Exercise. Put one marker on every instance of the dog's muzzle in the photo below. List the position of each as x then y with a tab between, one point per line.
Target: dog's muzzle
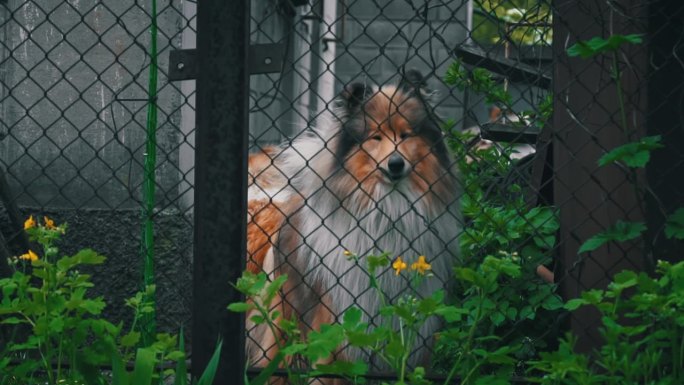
396	167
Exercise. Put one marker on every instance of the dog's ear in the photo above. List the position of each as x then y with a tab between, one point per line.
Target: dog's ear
353	95
413	80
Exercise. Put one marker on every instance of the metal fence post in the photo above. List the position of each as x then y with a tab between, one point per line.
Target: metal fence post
221	184
665	118
593	198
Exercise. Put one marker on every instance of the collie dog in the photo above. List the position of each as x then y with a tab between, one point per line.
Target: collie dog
376	177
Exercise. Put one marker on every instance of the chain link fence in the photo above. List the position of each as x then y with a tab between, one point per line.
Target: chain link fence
73	105
492	154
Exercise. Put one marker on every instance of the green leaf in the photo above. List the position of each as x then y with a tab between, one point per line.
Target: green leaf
257	319
593	296
497	318
293	349
465	274
56	325
376	262
362	338
13	321
674	226
351	318
83	257
552	302
394	349
93	306
635	154
456	75
451	313
209	372
130	340
597	45
624	279
240	307
181	375
251	284
620	232
322	343
527	312
575	303
143	367
90	257
344	368
175	356
273	288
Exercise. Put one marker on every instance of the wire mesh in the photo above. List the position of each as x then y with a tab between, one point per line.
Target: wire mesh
532	180
74	96
346	48
526	187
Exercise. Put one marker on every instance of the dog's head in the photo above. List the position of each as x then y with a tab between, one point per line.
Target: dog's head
389	134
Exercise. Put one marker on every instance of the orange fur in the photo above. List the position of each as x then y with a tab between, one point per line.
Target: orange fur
264	216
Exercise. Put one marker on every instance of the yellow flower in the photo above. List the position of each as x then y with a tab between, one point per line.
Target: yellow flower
399	265
347	253
49	223
29	223
421	266
31	256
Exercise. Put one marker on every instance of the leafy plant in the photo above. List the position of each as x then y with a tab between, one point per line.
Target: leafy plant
597	45
620	232
635	154
60	335
46	297
641	316
507	309
391	342
642	328
521	22
674	226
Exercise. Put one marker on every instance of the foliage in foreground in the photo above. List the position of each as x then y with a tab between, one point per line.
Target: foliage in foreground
56	330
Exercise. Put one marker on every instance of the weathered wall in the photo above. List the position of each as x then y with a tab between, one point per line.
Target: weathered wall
381	36
73	97
74	111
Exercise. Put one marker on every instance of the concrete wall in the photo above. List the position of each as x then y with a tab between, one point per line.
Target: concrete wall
75	105
378	37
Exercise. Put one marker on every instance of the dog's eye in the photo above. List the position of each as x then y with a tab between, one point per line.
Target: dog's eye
377	137
405	135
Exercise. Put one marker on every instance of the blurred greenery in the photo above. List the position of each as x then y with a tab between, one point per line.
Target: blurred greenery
528	22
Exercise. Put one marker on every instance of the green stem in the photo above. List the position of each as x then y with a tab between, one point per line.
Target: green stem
148	322
402	373
48	340
264	312
59	355
469	341
618	83
470	373
617	76
679	355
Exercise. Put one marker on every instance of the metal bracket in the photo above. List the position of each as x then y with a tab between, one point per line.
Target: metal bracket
183	64
266	58
263	59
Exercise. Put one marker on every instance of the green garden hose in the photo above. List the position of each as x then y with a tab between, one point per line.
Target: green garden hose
147	320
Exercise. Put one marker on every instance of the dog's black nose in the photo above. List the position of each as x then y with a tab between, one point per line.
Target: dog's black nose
396	166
